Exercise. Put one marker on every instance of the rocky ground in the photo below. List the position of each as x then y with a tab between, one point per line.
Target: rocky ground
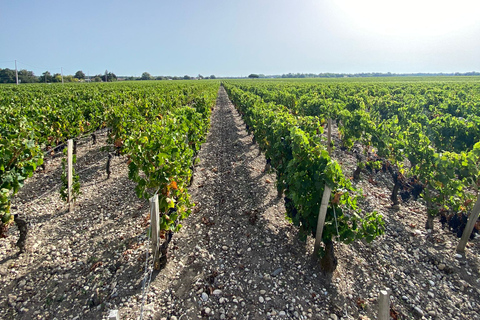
236	256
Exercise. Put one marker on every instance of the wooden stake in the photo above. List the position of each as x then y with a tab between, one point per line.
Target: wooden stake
155	228
384	305
70	173
472	219
329	136
321	217
325	198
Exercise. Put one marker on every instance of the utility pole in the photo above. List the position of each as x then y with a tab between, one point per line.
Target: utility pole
106	71
16	71
61	68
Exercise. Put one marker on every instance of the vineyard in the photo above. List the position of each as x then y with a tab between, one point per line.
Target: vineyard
242	176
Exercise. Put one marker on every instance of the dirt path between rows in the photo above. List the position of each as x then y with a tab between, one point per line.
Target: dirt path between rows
237	257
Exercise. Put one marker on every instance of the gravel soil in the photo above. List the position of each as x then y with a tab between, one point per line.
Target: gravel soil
236	256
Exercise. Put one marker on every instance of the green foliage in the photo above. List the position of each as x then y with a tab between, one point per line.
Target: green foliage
146	76
161	140
19	157
170	121
303	167
434	125
80	75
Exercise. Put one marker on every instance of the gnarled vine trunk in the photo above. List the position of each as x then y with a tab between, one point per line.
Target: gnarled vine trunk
356	173
429	223
329	262
396	187
430	211
164	251
22	228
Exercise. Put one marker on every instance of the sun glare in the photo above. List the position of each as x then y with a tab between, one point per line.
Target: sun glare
410	17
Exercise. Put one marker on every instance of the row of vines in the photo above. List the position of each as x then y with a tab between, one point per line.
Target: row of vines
159	127
425	134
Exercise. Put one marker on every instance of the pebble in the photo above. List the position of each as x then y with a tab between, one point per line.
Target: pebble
333	316
261	300
217	292
441	266
277	272
418	311
204	296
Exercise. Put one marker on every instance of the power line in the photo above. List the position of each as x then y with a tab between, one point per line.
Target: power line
36	67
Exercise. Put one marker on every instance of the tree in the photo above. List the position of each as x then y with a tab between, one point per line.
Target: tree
70	78
213	77
46	77
111	77
79	75
185	77
254	76
57	77
7	76
97	78
146	76
25	76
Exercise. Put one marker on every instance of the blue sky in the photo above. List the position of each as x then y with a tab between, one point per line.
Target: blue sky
234	38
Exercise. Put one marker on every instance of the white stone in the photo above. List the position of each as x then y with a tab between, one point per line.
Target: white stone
113	315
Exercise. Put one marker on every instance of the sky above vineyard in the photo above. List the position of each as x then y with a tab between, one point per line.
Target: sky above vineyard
235	38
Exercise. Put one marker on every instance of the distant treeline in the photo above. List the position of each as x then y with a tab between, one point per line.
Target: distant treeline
372	74
148	76
25	76
358	75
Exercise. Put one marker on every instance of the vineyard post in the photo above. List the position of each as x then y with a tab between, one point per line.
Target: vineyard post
154	225
472	219
62	73
321	217
16	72
70	173
329	136
384	304
325	199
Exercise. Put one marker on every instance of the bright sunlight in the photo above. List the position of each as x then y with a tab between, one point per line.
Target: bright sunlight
410	17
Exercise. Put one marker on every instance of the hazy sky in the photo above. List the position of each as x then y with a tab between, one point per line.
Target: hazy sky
233	38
